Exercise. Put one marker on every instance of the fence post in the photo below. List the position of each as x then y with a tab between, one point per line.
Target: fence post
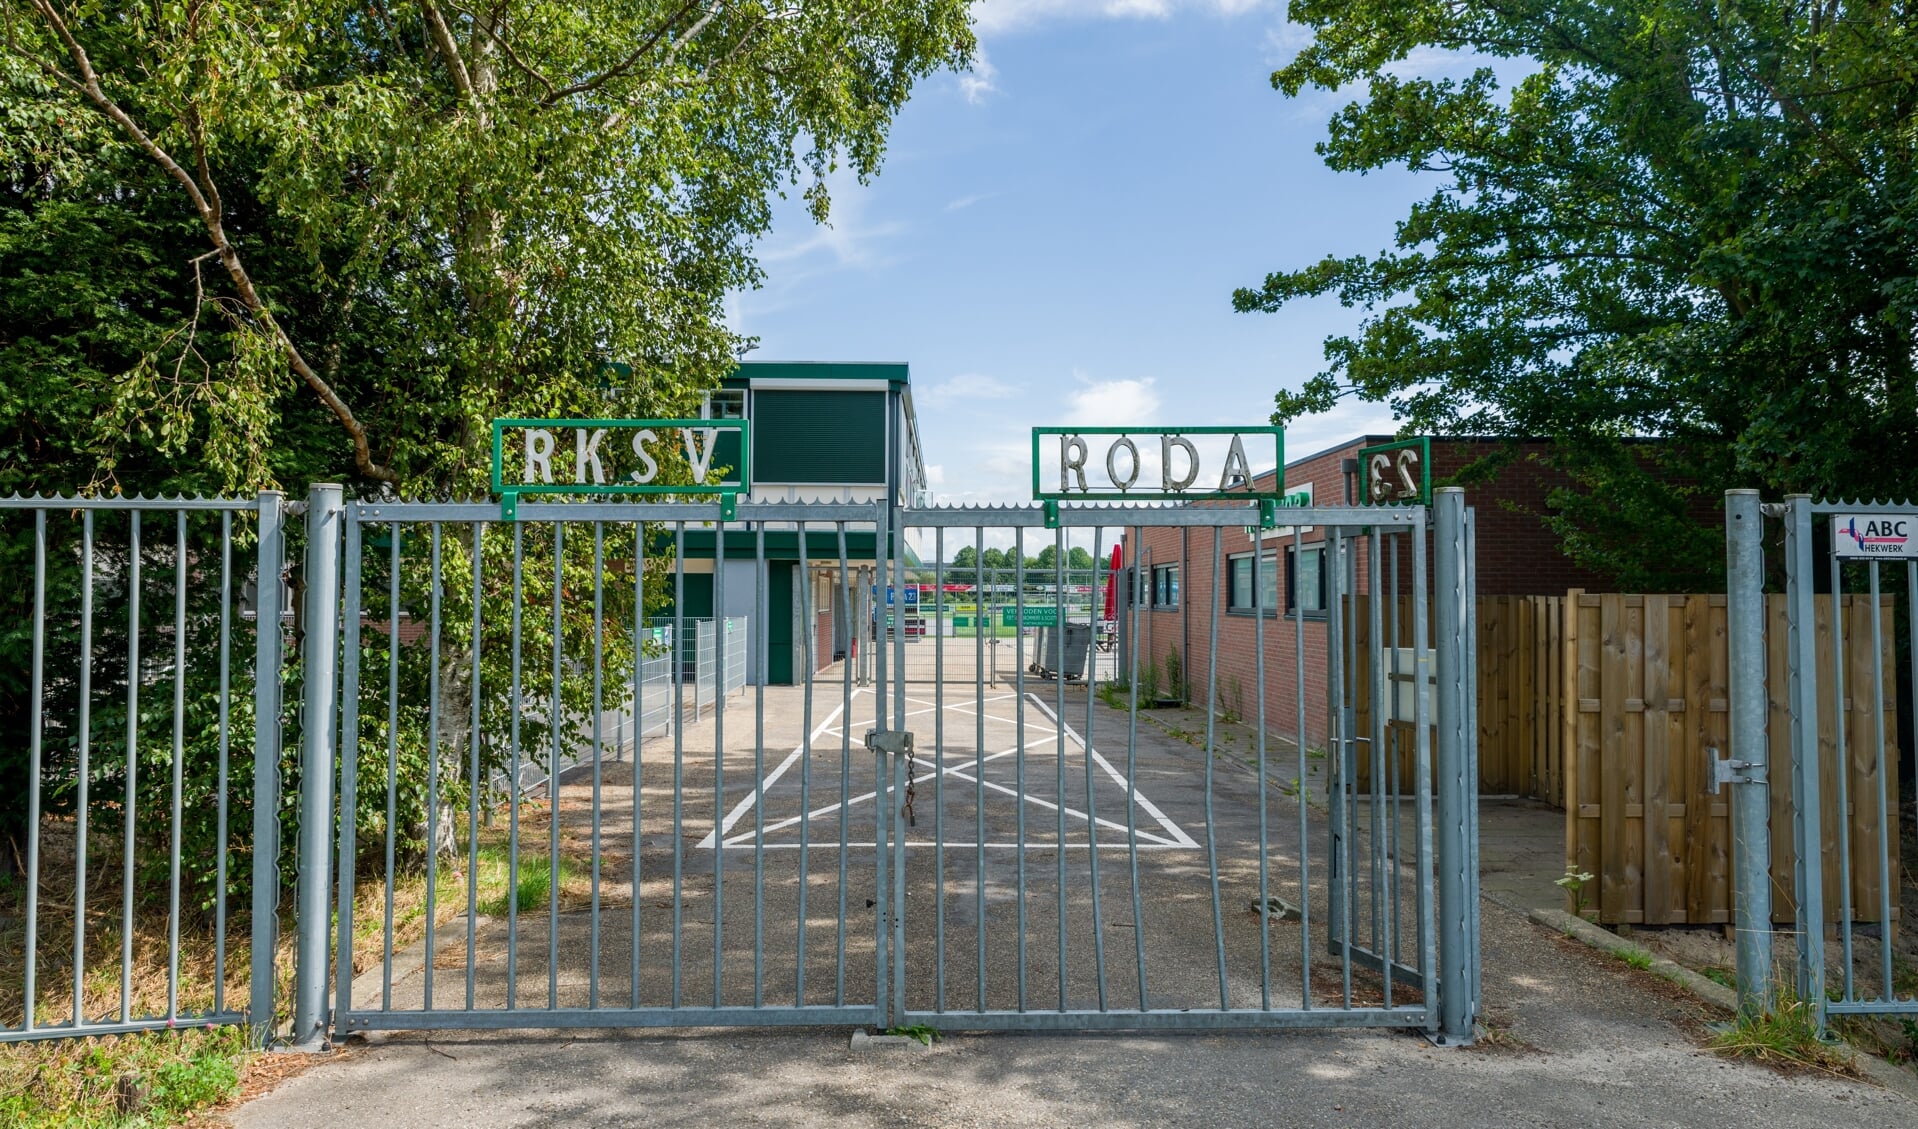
1751	792
325	508
268	655
1452	635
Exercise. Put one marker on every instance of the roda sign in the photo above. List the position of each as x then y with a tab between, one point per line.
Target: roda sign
1072	464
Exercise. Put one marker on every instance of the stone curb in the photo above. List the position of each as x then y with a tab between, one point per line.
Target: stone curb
862	1041
1892	1077
1605	940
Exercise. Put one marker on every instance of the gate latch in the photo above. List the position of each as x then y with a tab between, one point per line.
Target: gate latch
1728	771
898	742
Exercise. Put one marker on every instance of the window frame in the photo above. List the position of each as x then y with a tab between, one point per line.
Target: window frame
729	395
1292	556
1233	606
1165	596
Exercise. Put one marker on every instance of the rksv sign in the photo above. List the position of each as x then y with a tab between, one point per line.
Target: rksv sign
619	456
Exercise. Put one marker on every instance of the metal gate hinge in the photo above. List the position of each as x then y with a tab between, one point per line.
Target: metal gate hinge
895	741
1728	771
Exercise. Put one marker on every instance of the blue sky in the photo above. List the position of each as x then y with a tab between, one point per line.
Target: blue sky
1054	238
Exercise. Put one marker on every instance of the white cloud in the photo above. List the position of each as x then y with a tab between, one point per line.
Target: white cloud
964	388
963	202
1112	403
1008	15
978	82
849	237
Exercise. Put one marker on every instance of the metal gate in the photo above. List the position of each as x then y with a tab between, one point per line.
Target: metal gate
1842	618
954	842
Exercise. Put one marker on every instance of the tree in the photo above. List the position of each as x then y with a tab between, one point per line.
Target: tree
1693	223
1079	559
525	187
279	242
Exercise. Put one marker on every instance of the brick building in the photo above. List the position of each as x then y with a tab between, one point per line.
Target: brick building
1517	555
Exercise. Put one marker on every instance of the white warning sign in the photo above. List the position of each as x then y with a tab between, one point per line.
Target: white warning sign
1875	535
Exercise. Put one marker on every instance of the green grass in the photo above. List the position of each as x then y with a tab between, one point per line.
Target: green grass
917	1031
1636	958
1786	1036
145	1081
1717	975
535	880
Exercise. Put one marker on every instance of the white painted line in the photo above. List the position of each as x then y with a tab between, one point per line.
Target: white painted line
740	808
1075	813
746	836
1118	778
967	845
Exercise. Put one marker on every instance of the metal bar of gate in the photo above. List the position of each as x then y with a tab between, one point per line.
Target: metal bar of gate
1807	834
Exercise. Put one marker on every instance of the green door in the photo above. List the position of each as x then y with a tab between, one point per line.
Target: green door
779	622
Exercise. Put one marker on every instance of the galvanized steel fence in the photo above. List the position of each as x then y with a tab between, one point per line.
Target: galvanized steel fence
535	830
148	818
1842	685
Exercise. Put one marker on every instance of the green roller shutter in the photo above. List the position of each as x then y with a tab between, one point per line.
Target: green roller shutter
827	436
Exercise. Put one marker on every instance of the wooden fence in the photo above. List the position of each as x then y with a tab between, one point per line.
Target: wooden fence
1610	706
1645	683
1520	737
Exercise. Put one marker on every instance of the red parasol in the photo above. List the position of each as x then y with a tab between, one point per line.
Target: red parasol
1112	584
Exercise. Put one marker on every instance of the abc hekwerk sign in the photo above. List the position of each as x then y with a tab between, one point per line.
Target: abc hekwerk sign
1875	535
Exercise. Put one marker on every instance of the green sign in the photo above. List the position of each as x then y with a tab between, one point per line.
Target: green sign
621	456
1110	464
1038	615
1396	473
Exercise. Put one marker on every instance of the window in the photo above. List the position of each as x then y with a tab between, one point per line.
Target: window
724	403
1305	581
1240	597
1165	586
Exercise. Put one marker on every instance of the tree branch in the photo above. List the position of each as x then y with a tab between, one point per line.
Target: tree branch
490	28
88	84
632	60
447	46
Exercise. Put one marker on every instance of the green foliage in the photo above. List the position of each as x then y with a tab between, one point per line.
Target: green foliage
1668	220
1574	883
1174	675
1637	959
442	215
149	1080
1786	1036
432	217
918	1032
1149	682
535	881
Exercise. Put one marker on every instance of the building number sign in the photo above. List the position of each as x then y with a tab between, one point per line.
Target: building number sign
1396	473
